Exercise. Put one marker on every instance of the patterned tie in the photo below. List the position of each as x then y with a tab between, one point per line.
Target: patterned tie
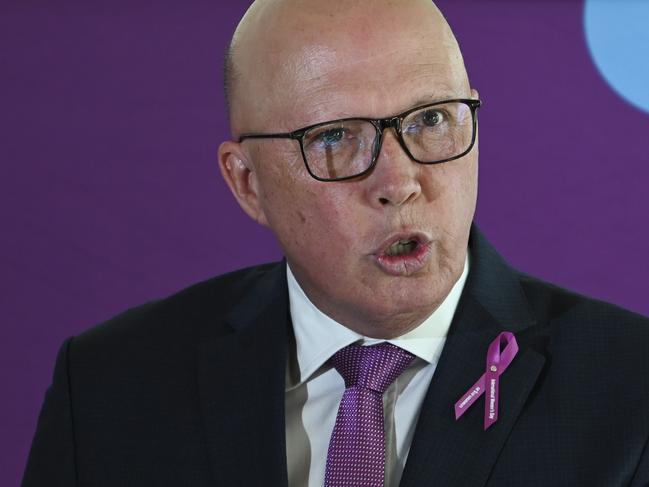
356	456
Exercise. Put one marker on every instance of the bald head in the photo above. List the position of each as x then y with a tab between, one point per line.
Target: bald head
283	51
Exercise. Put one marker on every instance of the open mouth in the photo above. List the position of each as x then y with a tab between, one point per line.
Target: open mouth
405	254
402	247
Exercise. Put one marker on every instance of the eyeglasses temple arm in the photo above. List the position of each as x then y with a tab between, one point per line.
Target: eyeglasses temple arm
291	135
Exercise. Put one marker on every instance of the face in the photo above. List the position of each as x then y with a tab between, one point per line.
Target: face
338	237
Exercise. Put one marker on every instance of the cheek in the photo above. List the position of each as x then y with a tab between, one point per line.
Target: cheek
324	214
470	187
303	212
460	183
450	200
278	182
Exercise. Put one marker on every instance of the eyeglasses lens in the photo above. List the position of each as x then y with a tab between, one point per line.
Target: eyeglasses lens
345	149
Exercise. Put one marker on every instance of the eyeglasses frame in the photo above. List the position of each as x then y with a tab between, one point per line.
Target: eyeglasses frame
380	124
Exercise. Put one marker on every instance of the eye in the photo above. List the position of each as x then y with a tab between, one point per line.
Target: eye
339	136
430	118
427	119
331	136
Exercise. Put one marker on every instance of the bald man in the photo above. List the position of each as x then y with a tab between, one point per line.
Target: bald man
393	345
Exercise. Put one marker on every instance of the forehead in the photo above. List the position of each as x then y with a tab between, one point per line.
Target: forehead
353	82
349	67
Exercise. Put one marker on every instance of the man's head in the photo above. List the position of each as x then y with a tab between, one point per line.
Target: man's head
295	63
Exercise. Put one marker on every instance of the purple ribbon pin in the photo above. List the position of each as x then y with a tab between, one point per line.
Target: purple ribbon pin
497	363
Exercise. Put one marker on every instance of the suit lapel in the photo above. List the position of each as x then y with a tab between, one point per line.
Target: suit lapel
449	452
241	387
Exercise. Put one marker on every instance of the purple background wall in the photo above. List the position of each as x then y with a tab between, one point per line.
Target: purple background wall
111	113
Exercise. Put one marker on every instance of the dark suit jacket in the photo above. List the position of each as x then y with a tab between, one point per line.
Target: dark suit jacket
189	391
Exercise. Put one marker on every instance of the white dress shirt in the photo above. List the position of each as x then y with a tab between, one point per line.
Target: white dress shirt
314	389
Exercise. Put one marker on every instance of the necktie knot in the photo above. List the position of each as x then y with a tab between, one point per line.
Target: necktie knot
373	367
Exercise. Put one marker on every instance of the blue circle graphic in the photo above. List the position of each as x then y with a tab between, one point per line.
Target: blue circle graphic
617	34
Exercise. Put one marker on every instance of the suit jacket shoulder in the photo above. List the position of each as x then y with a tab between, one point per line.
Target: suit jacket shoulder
143	399
203	304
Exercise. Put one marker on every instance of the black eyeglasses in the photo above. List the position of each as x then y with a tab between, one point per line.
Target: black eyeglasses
349	147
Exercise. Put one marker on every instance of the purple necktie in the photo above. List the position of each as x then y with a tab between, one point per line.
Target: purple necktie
356	456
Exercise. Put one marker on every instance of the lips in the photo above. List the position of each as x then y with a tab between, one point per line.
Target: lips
403	254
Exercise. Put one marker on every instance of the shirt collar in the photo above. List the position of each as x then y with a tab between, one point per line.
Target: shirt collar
318	337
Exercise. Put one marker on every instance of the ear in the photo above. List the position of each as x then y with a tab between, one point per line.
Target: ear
241	178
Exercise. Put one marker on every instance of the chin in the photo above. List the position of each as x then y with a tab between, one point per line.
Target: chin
405	303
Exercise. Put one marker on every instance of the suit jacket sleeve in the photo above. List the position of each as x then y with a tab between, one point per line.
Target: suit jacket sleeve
51	459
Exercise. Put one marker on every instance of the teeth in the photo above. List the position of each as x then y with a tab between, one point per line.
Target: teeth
401	247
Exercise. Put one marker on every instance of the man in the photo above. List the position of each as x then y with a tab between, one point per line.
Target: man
355	142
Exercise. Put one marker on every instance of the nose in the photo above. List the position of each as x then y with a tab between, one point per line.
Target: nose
395	180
